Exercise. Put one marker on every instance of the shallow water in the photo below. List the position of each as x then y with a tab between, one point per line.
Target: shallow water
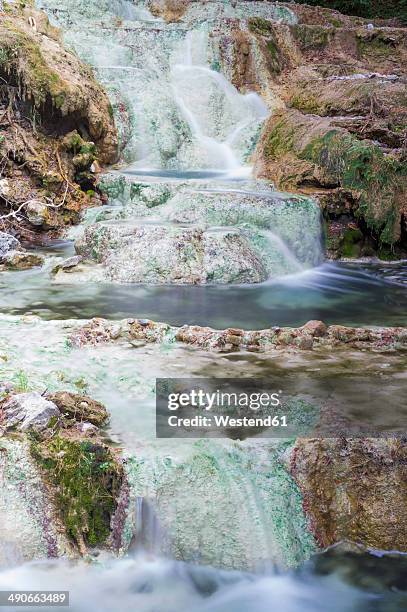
348	294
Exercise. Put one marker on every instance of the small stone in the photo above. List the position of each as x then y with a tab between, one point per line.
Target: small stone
37	213
95	168
402	337
232	339
29	411
285	339
83	160
315	328
344	334
7	243
71	262
4	188
235	331
304	342
88	429
115	332
6	388
68	264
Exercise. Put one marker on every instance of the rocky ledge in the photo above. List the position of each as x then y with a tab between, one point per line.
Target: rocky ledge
354	489
337	88
66	492
312	335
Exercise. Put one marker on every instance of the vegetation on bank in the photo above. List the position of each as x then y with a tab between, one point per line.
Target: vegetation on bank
383	9
343	131
56	124
333	158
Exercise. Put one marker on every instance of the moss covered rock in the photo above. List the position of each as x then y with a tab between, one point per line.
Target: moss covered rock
86	477
57	84
300	150
341	124
46	92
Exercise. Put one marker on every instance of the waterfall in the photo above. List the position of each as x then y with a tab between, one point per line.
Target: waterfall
203	95
148	535
277	242
175	110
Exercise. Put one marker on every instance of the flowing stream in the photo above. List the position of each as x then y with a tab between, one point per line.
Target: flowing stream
187	136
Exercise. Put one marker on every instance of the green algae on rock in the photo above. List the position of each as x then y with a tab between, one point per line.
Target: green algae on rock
28	522
312	335
339	132
196	503
328	157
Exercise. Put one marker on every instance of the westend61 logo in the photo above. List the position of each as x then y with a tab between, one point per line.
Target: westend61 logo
223	408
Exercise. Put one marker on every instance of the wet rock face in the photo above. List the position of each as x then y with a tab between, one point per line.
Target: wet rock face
65	470
170	10
28	524
180	232
7	244
354	489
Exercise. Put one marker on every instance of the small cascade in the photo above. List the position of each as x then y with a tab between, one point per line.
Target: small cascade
217	503
276	242
148	535
217	114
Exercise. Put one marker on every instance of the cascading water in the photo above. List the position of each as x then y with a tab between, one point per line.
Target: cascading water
217	114
179	115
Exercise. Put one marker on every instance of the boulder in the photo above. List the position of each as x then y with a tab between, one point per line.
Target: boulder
162	254
37	213
29	411
315	328
17	260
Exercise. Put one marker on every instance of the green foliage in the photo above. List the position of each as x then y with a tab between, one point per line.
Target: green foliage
385	9
351	242
20	382
261	26
313	36
24	62
87	482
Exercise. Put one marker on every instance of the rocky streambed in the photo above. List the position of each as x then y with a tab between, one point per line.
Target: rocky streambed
179	231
